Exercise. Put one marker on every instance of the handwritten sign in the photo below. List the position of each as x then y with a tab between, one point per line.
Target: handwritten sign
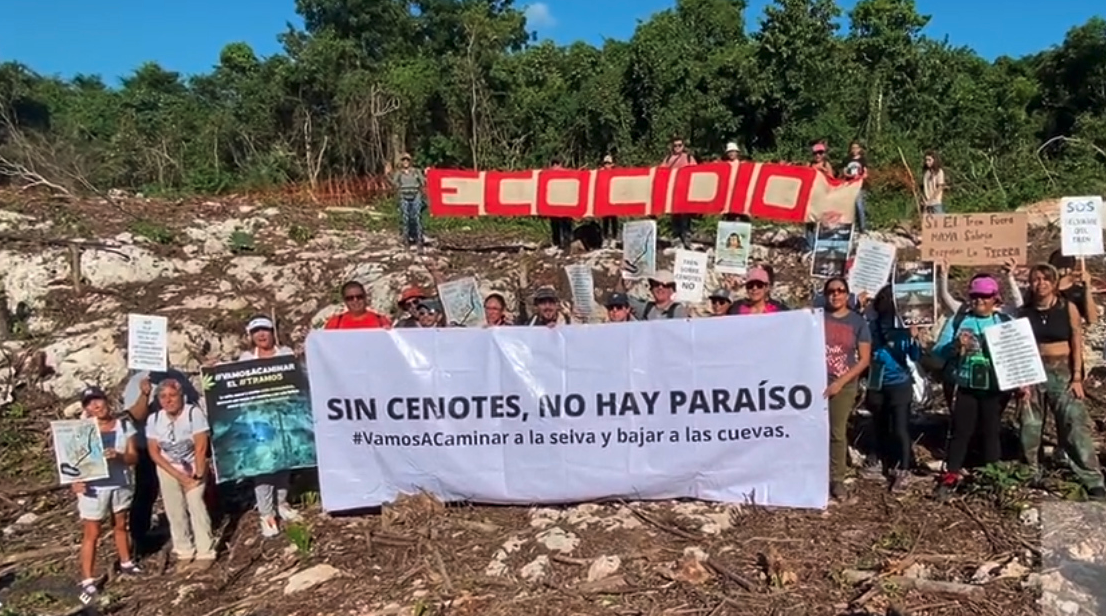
975	239
147	342
582	284
1014	353
690	272
872	266
1081	222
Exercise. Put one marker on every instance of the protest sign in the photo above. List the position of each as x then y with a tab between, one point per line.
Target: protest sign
1081	226
147	342
260	417
462	303
639	249
78	451
689	269
731	247
832	244
915	293
523	415
1013	350
872	267
769	191
975	239
582	284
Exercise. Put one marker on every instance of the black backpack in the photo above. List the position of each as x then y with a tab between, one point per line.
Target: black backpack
669	312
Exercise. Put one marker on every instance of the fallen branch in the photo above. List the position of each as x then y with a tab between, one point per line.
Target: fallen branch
734	577
567	560
934	587
18	557
668	528
441	569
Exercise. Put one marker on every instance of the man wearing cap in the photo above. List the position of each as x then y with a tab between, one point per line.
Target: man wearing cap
111	497
270	491
678	157
618	308
547	309
758	300
409	302
609	224
430	313
720	302
733	156
662	285
410	183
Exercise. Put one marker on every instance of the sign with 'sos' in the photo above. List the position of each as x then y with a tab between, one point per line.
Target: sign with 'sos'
664	409
1081	225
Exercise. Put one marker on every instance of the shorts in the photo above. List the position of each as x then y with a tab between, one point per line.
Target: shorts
96	504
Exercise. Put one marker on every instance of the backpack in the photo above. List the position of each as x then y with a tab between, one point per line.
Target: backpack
939	366
669	312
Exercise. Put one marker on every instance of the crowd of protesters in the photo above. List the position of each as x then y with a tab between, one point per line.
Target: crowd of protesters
160	443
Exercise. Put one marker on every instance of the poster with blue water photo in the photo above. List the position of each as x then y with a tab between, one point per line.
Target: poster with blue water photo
260	415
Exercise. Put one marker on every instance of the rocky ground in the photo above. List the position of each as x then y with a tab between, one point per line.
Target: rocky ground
72	271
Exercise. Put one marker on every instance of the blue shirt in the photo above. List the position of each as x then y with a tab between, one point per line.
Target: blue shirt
892	345
946	346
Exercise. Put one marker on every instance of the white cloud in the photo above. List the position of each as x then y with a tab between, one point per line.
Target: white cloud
538	15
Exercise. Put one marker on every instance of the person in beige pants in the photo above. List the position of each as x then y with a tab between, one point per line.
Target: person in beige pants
178	436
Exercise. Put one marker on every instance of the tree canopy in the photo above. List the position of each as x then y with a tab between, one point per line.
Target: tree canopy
462	83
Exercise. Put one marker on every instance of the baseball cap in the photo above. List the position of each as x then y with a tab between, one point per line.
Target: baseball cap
259	323
757	274
405	156
91	393
818	147
732	147
432	306
608	159
722	294
545	293
984	285
616	300
662	277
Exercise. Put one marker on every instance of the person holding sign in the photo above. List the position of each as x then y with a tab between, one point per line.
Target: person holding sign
848	353
270	491
1058	330
178	437
977	401
101	499
891	385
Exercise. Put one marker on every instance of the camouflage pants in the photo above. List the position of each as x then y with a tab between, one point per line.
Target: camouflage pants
1073	425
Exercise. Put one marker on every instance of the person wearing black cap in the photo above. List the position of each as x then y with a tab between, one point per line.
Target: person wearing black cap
100	499
410	182
618	308
547	307
431	314
270	491
720	302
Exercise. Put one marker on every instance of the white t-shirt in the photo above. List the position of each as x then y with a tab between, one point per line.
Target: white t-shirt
119	474
176	436
252	353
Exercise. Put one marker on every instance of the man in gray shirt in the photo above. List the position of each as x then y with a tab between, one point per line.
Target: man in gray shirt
410	183
663	287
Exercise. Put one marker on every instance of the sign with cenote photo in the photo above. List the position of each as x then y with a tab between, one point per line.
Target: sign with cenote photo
260	416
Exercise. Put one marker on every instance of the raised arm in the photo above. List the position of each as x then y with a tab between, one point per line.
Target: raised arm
947	300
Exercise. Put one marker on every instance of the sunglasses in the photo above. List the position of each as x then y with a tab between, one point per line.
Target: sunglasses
837	291
356	297
714	301
980	296
663	286
756	284
613	308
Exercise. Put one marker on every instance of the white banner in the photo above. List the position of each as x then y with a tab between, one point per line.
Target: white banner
521	415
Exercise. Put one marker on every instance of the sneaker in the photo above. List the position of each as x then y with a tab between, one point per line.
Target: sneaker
88	594
129	569
286	513
1097	494
898	481
946	485
269	527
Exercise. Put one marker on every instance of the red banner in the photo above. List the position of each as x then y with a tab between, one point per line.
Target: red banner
770	191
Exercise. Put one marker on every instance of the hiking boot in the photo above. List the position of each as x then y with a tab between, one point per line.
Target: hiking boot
837	490
1097	494
88	593
269	527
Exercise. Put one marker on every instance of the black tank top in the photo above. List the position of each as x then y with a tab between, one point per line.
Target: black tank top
1050	325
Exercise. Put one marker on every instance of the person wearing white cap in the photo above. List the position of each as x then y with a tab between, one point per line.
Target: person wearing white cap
663	287
271	491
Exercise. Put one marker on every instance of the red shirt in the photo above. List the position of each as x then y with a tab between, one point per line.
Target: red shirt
369	320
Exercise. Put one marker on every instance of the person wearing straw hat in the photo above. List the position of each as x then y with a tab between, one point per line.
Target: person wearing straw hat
270	491
408	304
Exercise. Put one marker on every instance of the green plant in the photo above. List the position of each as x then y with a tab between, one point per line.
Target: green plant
301	234
300	536
242	242
309	498
155	232
1004	482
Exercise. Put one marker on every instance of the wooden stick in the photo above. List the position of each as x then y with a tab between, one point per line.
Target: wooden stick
913	183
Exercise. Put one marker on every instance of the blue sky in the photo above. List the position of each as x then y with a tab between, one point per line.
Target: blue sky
112	37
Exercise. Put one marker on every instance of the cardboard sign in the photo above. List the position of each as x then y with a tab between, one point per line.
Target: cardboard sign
1081	224
690	271
975	239
786	193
